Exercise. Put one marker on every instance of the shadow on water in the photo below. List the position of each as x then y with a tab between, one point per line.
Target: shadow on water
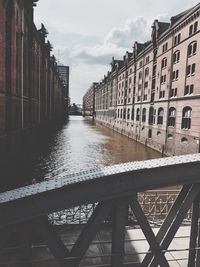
72	147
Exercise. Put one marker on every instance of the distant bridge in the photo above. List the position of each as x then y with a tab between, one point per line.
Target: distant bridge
112	190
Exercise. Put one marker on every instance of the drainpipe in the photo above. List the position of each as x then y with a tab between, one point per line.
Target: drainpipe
8	67
22	71
39	85
164	147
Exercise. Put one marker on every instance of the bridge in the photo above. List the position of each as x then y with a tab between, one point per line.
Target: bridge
112	192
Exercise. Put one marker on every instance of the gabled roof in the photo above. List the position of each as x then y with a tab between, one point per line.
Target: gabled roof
176	18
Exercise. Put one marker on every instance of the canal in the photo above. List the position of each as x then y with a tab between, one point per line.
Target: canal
77	145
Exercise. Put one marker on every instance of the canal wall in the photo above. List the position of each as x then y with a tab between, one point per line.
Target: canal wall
159	140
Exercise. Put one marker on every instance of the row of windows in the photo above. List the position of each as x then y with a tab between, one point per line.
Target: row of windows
177	39
186	116
192	49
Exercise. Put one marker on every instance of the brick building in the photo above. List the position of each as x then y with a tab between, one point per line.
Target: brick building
64	75
31	91
153	94
89	101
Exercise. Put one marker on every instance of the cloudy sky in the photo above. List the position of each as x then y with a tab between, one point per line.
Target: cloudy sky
86	34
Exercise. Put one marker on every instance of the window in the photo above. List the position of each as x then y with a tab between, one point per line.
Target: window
140	75
184	141
144	111
124	115
162	94
160	116
165	47
186	118
128	114
177	39
173	92
130	80
146	72
138	115
145	97
193	28
192	49
150	133
172	117
121	113
132	114
151	115
163	79
189	89
175	75
196	26
147	59
176	57
140	64
164	63
191	69
146	85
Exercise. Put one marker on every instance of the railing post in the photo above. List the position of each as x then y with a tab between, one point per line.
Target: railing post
194	233
118	234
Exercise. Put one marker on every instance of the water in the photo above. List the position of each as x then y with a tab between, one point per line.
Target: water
77	146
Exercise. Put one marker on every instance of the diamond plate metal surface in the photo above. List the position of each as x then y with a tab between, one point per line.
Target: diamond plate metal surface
80	177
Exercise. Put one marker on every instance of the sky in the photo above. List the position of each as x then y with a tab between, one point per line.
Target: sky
86	34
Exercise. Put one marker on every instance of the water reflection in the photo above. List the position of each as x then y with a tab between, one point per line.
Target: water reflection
76	146
81	145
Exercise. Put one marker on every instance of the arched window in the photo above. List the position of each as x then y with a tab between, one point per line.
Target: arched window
151	115
176	57
186	118
172	117
192	49
160	116
144	112
138	115
164	63
132	114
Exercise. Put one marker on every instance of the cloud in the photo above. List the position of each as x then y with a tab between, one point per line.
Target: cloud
89	57
133	30
115	43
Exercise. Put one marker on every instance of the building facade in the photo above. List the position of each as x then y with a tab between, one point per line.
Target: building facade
89	101
31	91
64	75
153	94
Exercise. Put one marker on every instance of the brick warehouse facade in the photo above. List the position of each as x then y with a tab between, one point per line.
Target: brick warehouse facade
89	101
31	92
153	94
